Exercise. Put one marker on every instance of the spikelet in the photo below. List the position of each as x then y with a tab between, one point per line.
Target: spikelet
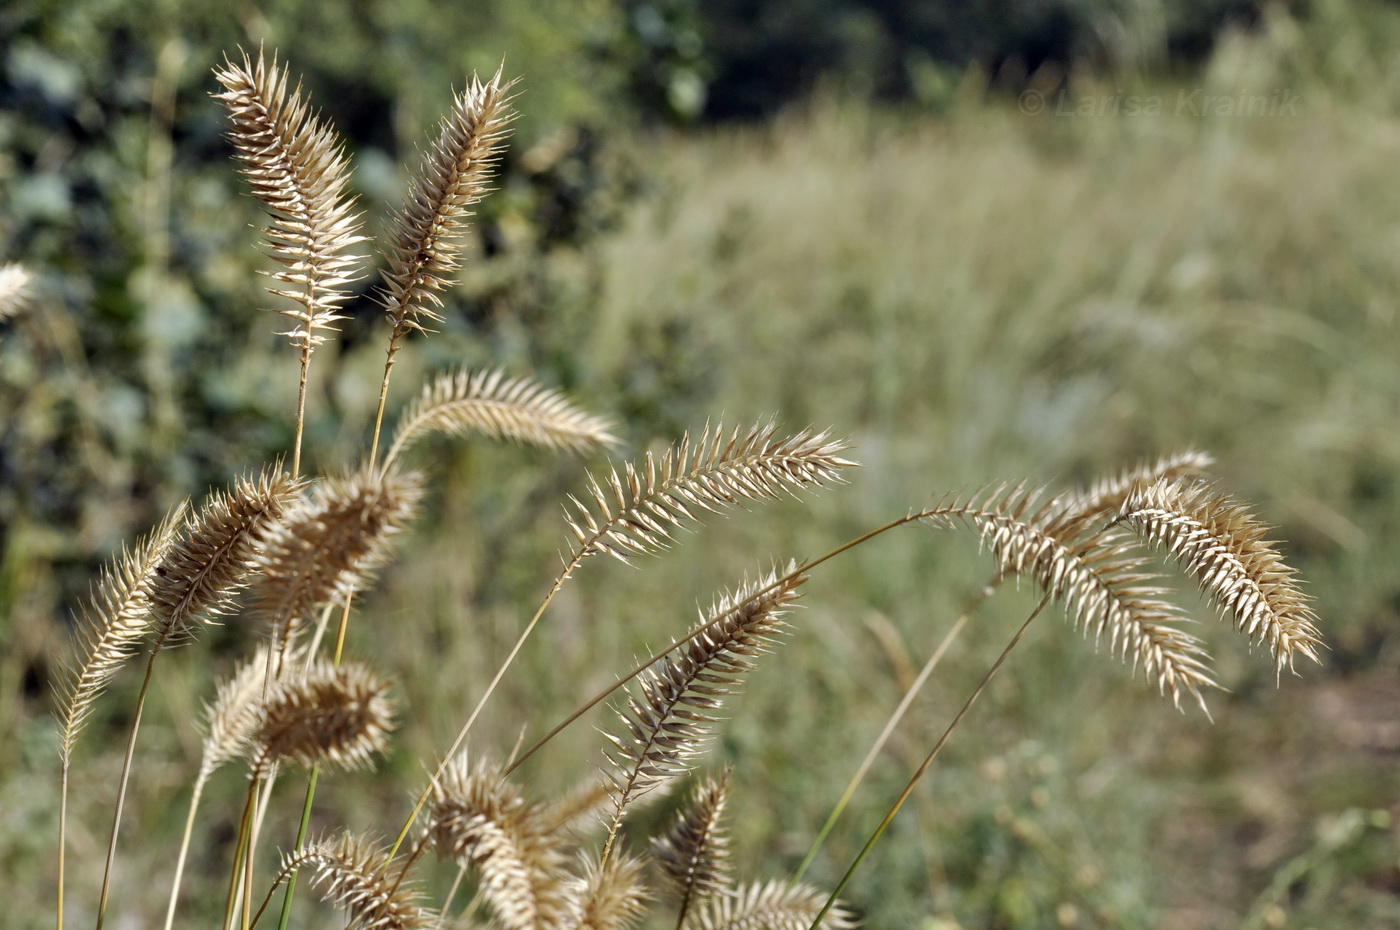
1223	547
773	906
16	290
199	576
636	512
335	717
1104	497
694	855
355	874
610	896
426	233
114	624
327	544
666	720
297	168
483	822
489	403
234	715
1100	580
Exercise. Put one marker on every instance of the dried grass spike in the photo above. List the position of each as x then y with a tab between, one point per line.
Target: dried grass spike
336	717
637	511
355	874
425	237
610	896
483	822
666	720
694	855
16	290
113	625
235	713
1221	545
1104	497
199	577
488	402
297	168
329	543
1101	581
772	906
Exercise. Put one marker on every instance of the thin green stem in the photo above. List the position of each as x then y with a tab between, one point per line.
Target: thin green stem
315	772
928	761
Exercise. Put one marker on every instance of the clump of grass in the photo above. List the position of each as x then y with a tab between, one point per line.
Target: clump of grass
310	546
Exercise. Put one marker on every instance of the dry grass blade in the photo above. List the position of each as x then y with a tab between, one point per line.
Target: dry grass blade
637	511
298	169
324	715
489	403
16	290
353	873
610	896
199	576
483	822
114	624
327	544
694	855
1220	544
426	233
772	905
666	721
1099	579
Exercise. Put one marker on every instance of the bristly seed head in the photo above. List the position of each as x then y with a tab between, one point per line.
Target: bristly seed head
324	715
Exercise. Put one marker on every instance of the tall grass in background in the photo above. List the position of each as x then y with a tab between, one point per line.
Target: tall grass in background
986	295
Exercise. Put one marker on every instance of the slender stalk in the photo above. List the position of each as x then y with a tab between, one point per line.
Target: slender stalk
885	734
383	396
126	775
62	836
301	405
928	761
607	692
301	838
199	784
239	848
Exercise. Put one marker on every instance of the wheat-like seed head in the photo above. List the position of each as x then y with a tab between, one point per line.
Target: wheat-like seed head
200	575
355	874
667	717
297	168
235	713
426	233
482	821
321	714
113	624
489	403
16	290
1104	497
694	855
637	511
328	543
1221	545
772	905
610	896
1099	578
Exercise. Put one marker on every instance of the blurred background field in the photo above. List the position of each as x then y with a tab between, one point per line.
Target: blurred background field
844	214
